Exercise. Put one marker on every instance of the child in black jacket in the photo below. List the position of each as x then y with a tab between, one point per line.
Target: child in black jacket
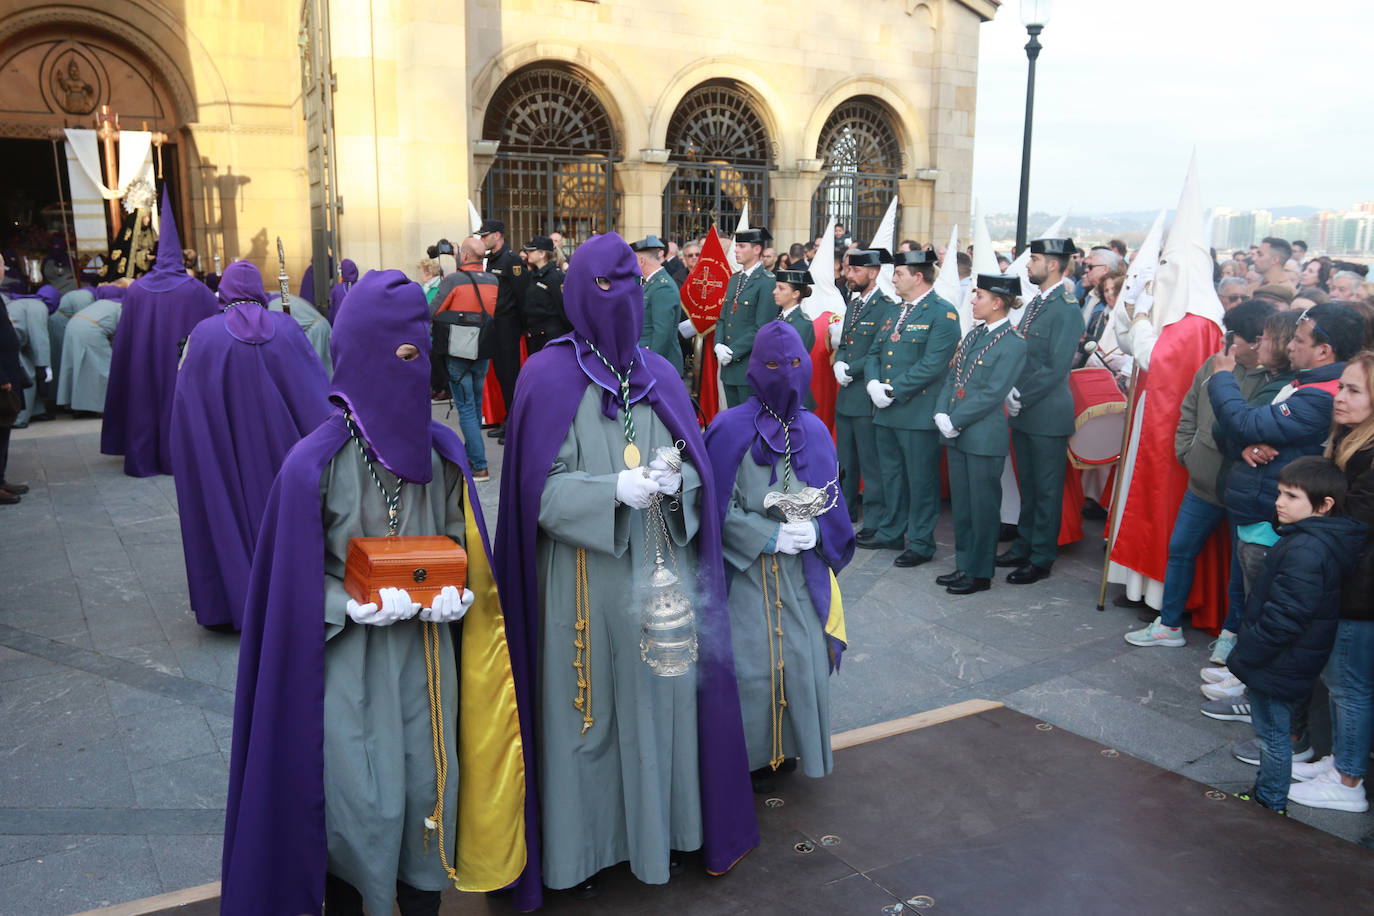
1292	612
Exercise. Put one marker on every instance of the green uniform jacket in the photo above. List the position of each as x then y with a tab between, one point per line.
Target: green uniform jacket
805	327
1052	329
861	322
748	306
916	363
979	415
662	313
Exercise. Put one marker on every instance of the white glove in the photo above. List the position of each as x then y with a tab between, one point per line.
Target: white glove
879	394
724	354
634	488
835	329
396	606
842	373
1013	402
449	605
47	373
687	329
794	537
667	481
945	425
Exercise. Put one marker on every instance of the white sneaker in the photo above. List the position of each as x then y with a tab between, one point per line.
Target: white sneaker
1157	634
1228	689
1327	791
1221	647
1307	771
1215	675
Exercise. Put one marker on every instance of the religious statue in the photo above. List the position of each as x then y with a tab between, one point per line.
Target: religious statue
77	96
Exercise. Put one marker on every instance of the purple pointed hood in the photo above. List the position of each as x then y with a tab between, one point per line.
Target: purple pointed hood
308	284
168	272
245	302
610	319
109	291
348	271
779	376
241	282
388	396
50	296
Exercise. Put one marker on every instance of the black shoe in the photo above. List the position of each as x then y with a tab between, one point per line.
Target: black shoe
1025	575
762	780
587	890
909	558
950	578
871	542
496	432
18	489
1008	558
1093	510
85	415
1122	601
501	439
8	499
865	532
968	585
1008	532
674	864
42	418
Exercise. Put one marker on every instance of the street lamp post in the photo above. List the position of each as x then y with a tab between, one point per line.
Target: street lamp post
1035	14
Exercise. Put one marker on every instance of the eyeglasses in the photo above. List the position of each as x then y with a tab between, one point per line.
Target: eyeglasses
1233	297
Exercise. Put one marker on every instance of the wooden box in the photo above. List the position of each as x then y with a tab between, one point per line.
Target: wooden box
420	565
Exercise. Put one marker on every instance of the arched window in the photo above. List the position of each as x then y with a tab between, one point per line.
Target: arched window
553	169
862	161
723	153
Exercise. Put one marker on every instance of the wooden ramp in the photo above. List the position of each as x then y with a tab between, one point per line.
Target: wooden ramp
976	809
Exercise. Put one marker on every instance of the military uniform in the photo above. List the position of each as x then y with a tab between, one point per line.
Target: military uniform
984	369
1052	327
748	306
800	277
911	352
662	314
543	315
854	435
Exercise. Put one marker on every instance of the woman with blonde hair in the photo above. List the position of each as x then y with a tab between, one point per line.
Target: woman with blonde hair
1337	780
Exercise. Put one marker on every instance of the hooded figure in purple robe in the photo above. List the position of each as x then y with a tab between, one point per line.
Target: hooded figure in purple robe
160	309
347	716
772	443
348	275
307	291
249	387
630	764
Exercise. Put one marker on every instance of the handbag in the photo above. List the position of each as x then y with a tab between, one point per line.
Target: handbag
11	405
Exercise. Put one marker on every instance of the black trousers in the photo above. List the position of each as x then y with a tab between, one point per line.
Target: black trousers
4	451
505	358
343	899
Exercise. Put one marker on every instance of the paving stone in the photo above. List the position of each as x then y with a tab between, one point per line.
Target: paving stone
196	782
163	736
94	872
187	861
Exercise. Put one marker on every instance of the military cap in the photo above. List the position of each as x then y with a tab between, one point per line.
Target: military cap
914	258
649	243
758	236
800	277
1062	247
869	257
1001	284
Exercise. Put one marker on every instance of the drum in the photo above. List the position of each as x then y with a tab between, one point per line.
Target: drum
1099	410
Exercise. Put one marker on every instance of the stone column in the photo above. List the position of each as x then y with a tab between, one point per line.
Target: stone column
641	182
792	192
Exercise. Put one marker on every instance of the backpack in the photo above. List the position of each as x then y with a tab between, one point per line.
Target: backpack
463	333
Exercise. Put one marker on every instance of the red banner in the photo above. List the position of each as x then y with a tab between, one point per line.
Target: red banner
704	291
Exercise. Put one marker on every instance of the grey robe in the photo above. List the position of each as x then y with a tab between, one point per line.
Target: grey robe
315	326
379	775
30	319
85	372
629	788
806	672
71	303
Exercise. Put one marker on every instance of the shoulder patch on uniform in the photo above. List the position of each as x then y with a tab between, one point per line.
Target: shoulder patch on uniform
951	316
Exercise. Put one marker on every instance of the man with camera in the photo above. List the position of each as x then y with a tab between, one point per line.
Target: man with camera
469	305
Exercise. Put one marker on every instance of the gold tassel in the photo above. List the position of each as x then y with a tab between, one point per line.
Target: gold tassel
777	686
582	643
434	682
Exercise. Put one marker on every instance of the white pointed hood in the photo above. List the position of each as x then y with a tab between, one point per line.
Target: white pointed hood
1139	284
824	296
474	217
1183	281
885	238
984	262
739	227
947	278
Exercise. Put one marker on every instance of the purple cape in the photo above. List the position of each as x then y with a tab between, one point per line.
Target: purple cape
308	284
160	310
750	430
547	393
348	275
274	833
243	400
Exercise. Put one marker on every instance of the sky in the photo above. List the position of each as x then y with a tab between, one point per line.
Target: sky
1274	96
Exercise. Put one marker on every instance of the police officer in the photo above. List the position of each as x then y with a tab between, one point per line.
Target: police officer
748	306
542	313
970	415
506	330
662	304
854	436
1041	410
907	361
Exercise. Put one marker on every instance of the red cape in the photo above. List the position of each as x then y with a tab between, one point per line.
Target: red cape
1159	481
824	388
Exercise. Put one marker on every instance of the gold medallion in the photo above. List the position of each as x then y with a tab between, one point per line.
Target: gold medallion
631	455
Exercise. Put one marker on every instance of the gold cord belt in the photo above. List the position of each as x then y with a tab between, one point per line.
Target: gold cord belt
777	688
582	643
434	681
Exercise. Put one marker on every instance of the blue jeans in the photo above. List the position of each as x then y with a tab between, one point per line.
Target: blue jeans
465	380
1349	675
1197	519
1272	719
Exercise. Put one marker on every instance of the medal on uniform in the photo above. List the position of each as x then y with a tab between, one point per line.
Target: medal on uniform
959	392
631	455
